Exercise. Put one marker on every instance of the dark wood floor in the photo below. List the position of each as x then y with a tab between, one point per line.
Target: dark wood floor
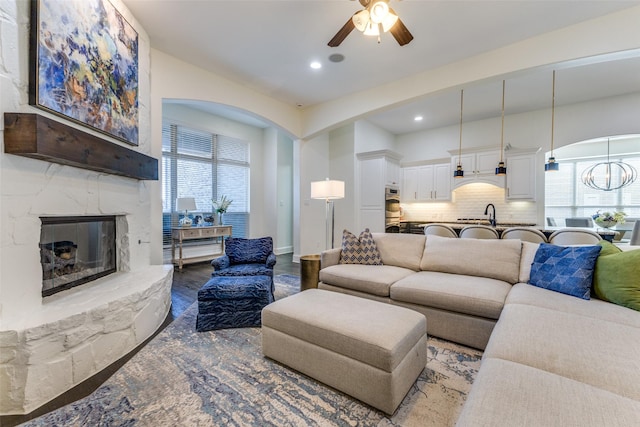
184	290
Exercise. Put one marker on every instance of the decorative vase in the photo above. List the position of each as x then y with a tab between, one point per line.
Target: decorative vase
605	224
220	216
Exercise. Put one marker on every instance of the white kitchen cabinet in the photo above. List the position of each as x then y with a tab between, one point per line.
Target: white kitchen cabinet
409	187
478	166
375	171
426	183
371	184
392	172
521	175
442	182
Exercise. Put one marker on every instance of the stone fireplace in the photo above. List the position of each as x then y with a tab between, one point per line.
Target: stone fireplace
50	344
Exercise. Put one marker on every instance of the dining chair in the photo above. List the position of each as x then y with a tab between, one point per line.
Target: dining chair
568	236
635	235
439	230
579	222
525	234
479	232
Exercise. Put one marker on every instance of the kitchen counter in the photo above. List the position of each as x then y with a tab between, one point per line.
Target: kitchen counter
417	227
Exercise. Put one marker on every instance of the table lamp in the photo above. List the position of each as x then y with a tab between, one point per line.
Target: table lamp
185	204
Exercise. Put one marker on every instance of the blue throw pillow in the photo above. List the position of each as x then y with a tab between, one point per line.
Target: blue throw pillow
568	270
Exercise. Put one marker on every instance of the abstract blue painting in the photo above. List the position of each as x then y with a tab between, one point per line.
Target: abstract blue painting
85	65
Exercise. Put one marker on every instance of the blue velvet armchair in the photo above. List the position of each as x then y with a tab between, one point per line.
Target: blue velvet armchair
246	257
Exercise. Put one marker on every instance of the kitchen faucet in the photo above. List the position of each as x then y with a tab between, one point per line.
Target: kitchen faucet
492	219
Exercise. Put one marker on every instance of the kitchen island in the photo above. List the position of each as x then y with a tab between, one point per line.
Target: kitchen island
417	227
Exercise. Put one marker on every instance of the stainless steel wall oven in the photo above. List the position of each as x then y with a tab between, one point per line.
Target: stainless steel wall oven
392	210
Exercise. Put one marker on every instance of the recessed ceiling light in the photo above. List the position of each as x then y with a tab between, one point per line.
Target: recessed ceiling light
418	118
315	65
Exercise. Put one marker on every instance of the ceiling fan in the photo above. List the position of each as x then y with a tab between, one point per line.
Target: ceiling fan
376	18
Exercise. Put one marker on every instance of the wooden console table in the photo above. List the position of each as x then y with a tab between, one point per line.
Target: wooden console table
201	252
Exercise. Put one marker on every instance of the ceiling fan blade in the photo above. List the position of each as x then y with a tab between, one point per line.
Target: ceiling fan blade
342	33
400	32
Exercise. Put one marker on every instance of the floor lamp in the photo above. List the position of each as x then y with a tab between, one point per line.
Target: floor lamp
328	190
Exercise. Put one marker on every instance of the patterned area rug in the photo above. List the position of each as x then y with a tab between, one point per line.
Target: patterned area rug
188	378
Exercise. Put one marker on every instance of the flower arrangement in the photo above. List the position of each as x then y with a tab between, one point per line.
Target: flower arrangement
608	219
221	205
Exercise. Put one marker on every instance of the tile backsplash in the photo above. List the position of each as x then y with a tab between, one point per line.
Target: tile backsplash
469	201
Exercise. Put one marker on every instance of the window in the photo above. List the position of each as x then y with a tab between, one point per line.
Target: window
566	196
205	166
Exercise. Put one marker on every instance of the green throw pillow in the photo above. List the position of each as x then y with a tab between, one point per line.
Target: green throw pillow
617	276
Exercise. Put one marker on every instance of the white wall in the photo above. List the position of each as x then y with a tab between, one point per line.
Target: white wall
342	167
284	240
277	190
369	137
311	163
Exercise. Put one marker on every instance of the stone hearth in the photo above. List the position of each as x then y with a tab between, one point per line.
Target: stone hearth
48	345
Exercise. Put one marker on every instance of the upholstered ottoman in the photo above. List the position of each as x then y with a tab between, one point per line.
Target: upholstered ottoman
367	349
232	302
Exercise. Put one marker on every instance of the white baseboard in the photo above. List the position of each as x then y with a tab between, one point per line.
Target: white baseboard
283	250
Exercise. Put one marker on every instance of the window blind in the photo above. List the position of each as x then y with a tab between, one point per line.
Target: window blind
204	166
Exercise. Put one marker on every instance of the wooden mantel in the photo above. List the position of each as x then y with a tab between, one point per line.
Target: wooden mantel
38	137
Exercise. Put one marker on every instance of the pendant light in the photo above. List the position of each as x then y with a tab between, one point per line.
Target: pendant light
459	173
551	164
609	176
501	169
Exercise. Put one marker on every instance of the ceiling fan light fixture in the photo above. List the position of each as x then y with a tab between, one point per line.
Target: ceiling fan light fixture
379	11
371	29
375	19
389	21
361	19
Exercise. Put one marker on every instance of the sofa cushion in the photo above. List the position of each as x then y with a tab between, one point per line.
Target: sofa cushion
526	259
370	279
477	296
568	270
359	250
593	351
522	293
496	259
401	250
617	276
507	394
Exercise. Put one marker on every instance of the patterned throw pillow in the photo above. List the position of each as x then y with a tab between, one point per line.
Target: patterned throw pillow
568	270
359	250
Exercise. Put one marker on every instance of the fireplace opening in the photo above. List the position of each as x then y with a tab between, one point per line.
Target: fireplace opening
76	250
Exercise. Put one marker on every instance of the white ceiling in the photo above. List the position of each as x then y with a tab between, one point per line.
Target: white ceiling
267	45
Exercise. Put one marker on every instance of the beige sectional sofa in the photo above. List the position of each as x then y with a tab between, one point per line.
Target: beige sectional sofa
550	359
